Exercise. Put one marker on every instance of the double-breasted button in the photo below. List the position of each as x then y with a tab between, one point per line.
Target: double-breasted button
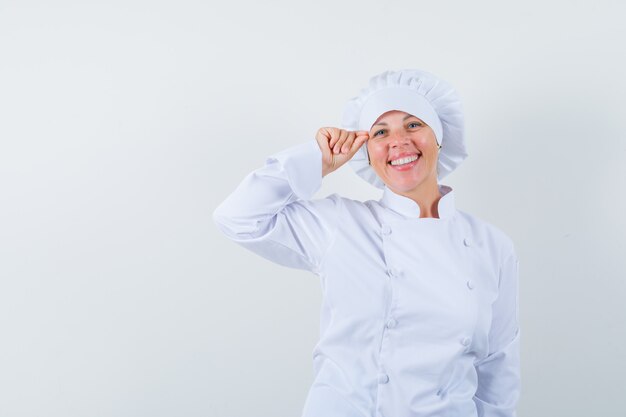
386	230
467	241
466	341
395	272
391	323
470	284
383	378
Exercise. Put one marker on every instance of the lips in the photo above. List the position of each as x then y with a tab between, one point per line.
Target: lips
404	159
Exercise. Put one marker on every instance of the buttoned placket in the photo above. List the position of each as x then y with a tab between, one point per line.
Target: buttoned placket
389	322
466	341
408	211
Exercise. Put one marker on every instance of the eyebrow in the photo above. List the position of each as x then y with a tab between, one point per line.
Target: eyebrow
405	117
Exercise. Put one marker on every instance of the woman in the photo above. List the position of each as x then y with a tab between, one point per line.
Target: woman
420	299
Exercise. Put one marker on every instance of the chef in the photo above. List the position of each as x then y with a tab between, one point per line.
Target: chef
419	314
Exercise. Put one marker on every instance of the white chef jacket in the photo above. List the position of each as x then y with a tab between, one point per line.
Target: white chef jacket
419	316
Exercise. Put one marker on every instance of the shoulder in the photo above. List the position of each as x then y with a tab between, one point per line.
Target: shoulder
333	204
349	204
343	209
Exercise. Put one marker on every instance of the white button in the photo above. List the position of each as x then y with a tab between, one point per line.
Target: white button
392	323
395	272
383	378
470	284
467	241
386	229
466	341
440	391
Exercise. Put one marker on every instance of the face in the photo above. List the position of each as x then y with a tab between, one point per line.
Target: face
403	151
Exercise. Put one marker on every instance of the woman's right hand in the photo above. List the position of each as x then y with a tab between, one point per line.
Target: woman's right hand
338	146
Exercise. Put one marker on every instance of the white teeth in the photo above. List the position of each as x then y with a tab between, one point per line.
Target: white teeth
402	161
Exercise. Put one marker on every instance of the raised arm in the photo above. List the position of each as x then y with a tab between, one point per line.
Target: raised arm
499	373
271	212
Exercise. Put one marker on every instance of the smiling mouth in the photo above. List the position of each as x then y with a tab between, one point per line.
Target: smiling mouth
404	161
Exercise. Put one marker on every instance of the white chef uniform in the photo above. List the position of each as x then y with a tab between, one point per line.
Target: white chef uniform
419	316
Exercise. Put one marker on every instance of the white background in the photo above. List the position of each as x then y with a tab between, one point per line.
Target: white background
124	123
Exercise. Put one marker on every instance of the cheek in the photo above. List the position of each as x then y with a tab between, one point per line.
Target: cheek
428	145
376	152
377	159
424	142
375	156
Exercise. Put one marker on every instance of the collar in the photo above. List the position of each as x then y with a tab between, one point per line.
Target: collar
409	208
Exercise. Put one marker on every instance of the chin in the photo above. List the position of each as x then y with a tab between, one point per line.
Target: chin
403	186
404	180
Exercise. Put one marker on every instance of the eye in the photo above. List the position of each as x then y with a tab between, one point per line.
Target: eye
416	124
377	132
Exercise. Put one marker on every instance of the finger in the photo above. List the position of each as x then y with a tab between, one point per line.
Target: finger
347	145
334	136
362	137
342	138
360	140
323	136
326	151
322	139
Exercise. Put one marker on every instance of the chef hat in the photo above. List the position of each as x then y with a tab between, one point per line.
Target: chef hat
416	92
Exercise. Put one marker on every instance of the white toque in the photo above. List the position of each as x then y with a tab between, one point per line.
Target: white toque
416	92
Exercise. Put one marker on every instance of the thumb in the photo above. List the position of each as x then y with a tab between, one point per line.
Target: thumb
356	145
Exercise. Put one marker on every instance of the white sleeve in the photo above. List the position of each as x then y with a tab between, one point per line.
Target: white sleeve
271	214
499	373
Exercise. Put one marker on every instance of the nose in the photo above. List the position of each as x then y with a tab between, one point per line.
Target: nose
398	139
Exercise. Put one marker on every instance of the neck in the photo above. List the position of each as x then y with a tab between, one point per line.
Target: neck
426	195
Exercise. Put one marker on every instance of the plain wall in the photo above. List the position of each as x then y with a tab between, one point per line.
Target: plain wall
124	123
